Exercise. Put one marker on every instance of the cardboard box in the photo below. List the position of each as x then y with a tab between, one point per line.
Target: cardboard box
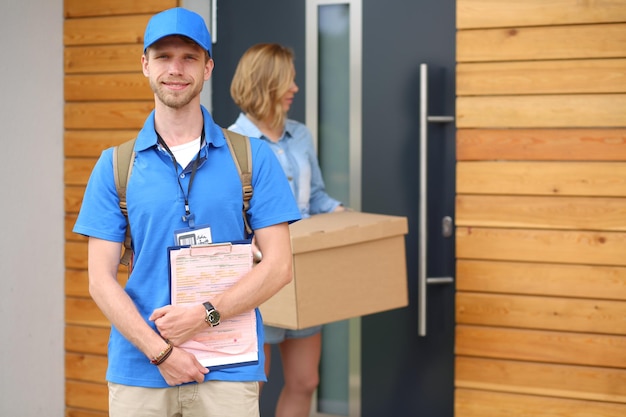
346	264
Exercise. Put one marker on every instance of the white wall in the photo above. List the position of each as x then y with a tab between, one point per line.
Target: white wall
31	178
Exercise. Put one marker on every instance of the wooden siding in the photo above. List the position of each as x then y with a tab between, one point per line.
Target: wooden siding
539	43
550	111
107	99
541	208
541	144
494	13
481	403
582	76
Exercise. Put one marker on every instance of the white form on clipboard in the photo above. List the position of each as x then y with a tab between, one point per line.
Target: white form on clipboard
197	274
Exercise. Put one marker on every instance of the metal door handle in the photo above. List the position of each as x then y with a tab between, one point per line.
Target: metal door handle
214	21
423	280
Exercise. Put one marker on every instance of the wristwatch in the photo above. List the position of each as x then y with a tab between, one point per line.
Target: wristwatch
212	315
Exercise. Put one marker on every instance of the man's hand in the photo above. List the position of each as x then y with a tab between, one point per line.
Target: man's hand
179	324
182	367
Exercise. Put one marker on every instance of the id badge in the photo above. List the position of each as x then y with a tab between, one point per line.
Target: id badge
200	235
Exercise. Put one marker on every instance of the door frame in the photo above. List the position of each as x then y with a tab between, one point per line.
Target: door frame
355	160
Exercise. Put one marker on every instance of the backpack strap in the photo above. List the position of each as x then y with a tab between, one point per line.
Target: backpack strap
239	146
123	158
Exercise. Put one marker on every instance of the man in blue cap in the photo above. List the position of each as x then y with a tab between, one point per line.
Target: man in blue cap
180	146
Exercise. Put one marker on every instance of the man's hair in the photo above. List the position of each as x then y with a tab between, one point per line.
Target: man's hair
263	75
187	40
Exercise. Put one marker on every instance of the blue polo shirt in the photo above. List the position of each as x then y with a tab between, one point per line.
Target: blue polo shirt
155	202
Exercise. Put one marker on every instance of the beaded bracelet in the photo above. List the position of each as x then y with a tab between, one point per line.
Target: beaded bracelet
165	353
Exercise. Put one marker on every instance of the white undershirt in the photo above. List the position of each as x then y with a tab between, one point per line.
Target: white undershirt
186	152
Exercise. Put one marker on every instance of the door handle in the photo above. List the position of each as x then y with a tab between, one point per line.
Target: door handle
214	21
423	279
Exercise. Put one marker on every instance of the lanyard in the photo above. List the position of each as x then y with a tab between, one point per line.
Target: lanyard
188	217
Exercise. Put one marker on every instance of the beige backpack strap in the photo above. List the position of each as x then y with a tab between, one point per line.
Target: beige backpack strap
123	158
239	146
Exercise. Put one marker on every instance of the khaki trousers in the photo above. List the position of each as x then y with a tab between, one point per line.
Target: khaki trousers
209	399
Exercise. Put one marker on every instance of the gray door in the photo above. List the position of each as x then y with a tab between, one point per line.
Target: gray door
402	372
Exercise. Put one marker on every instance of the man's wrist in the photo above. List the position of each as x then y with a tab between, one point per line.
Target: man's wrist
163	355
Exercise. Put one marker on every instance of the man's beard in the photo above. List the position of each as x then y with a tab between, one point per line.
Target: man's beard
174	99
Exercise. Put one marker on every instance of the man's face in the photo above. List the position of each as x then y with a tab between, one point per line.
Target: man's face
177	69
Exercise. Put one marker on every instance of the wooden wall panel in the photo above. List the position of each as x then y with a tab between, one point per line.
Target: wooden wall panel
75	412
86	339
588	179
73	198
84	311
78	170
90	368
541	212
107	115
105	30
476	403
70	236
490	13
76	283
91	143
530	245
76	255
541	346
550	111
541	208
102	59
82	8
541	144
542	77
551	380
541	43
86	395
98	87
545	313
551	279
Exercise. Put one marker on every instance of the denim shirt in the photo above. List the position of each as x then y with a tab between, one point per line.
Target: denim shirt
297	156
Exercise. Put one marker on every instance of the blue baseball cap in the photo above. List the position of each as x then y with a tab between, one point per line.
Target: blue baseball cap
178	21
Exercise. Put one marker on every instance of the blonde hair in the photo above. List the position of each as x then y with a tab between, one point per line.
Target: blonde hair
264	74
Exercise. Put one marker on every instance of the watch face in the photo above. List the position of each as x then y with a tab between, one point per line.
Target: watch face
214	317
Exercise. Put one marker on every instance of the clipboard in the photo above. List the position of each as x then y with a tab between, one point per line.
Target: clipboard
199	273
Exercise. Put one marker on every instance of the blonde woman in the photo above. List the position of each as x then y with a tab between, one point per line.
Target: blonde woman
263	87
